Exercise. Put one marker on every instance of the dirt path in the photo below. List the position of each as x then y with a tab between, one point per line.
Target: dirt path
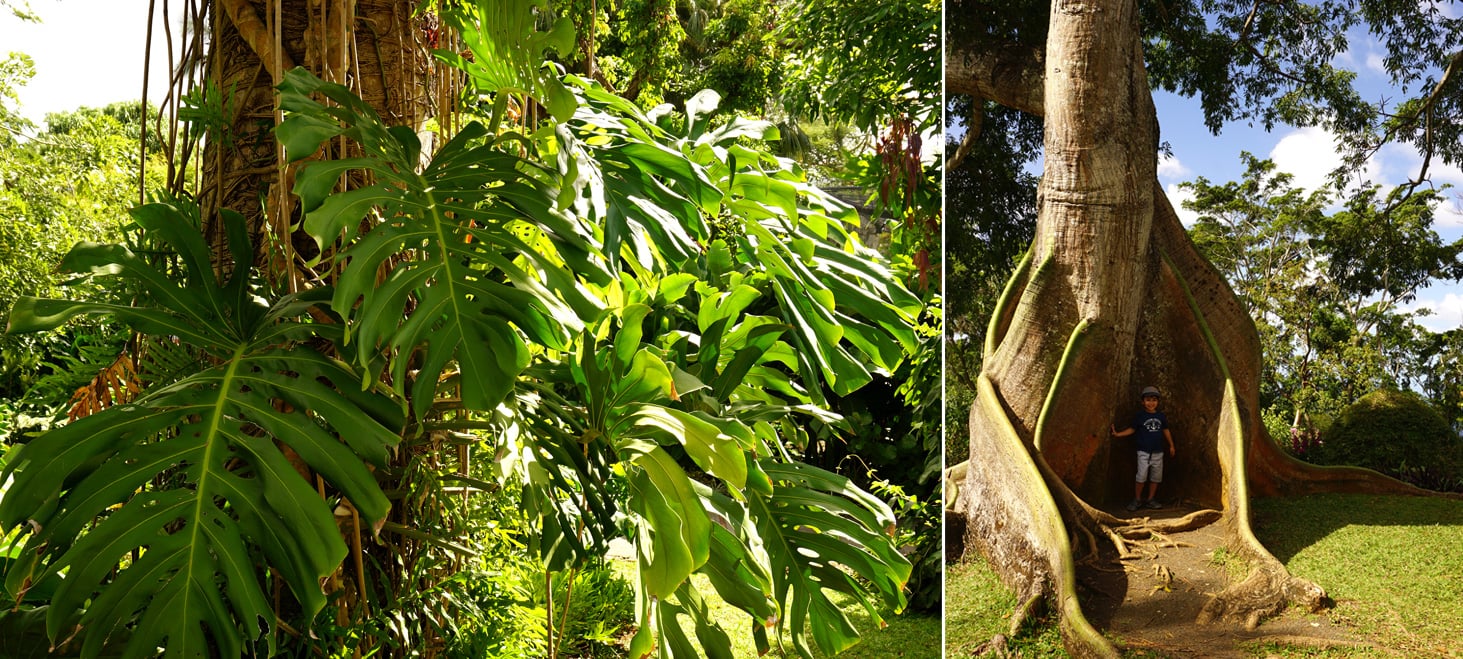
1150	600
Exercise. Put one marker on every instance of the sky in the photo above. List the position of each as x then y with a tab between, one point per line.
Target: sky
1309	154
90	52
86	52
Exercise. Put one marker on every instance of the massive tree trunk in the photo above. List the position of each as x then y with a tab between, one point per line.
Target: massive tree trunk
1111	297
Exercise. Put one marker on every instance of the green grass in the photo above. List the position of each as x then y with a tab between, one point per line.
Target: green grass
1268	650
1236	568
1393	564
913	636
978	607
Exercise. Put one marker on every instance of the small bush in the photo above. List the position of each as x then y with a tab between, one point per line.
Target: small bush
1399	434
601	611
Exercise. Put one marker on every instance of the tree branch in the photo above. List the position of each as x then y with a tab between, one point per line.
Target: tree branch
1009	74
967	142
1425	114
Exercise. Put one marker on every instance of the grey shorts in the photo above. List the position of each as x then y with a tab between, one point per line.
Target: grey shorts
1150	466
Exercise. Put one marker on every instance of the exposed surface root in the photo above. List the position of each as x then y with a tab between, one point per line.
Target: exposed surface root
1117	541
1029	608
1164	542
1156	599
1266	593
996	647
1146	527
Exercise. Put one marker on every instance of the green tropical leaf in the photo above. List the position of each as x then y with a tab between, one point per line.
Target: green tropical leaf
163	513
850	316
821	533
718	453
675	540
465	286
508	50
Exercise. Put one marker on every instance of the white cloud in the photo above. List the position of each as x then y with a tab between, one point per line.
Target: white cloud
1400	162
1447	311
1169	168
1449	213
1309	154
1177	196
1374	62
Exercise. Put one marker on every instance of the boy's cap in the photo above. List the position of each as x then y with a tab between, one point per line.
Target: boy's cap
1150	391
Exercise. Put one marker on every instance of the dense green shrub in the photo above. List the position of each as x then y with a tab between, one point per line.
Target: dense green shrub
1399	434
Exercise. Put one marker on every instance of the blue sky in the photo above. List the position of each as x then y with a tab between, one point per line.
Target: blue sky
100	43
1309	154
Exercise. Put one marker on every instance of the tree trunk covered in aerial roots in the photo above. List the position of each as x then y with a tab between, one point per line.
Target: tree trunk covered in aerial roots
378	48
1112	297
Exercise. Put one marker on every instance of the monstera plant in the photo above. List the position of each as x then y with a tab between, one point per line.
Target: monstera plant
608	294
195	484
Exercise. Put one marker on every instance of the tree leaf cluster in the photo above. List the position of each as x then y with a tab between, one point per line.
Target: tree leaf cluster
1327	288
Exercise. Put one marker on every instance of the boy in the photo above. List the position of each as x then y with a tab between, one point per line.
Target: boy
1151	427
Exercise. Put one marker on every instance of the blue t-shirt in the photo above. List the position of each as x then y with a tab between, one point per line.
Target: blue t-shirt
1148	429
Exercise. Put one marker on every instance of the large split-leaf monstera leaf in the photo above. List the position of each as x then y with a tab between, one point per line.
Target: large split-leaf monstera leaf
743	294
481	263
777	539
164	513
597	317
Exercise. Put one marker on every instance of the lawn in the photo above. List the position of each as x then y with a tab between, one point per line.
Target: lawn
1393	565
978	607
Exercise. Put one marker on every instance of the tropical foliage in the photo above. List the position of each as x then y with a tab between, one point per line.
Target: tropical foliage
1328	291
69	182
1397	433
606	297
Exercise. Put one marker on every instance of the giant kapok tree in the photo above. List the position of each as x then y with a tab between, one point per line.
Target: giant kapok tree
1112	295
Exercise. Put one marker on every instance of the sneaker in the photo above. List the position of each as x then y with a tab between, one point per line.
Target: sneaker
1133	505
1154	504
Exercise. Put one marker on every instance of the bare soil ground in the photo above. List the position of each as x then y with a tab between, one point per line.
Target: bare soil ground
1150	600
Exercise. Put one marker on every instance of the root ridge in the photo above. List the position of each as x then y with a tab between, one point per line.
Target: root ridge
1158	582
